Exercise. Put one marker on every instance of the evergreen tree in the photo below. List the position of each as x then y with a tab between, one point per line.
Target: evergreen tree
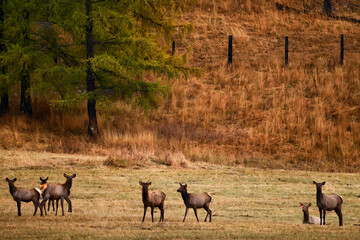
113	49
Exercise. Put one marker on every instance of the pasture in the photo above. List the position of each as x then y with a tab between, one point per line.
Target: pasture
247	202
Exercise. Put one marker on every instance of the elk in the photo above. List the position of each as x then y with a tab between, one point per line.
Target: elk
43	186
194	201
327	203
152	199
24	195
309	219
59	191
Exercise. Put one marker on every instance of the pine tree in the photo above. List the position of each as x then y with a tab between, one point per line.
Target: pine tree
122	46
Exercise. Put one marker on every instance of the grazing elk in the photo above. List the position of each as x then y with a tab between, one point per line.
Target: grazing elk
152	199
59	191
43	186
194	201
307	218
328	203
24	195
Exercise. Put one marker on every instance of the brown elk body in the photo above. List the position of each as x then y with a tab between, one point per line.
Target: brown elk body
152	199
59	192
24	195
195	201
327	203
307	218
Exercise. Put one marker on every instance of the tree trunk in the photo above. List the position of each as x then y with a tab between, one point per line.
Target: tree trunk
90	78
4	101
4	104
25	101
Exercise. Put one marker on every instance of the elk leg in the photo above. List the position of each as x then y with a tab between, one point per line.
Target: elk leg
338	212
320	210
41	211
324	212
62	206
42	204
161	213
49	205
57	206
185	213
152	213
53	204
19	207
208	213
36	204
145	207
69	204
195	211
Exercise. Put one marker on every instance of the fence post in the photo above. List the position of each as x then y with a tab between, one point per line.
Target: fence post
173	48
230	50
342	50
286	50
327	7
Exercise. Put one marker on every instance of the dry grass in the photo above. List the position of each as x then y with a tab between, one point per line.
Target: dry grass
247	203
254	113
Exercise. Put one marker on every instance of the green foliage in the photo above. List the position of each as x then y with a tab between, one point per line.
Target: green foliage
132	42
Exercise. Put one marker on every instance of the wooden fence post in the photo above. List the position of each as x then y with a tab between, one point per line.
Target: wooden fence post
173	48
342	50
286	50
230	50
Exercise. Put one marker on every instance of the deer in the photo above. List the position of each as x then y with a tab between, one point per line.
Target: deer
59	191
24	195
309	219
43	186
152	199
328	203
194	201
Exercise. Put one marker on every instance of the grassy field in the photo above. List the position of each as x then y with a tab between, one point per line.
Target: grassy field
247	203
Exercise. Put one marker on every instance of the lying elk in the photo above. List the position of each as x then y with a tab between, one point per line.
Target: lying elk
24	195
43	187
327	203
152	199
194	201
59	191
307	218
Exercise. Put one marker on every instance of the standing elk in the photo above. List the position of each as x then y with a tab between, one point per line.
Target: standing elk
152	199
24	195
59	191
194	201
307	218
328	203
43	186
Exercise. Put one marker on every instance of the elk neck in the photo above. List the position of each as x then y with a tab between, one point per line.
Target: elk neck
12	188
145	194
319	195
306	217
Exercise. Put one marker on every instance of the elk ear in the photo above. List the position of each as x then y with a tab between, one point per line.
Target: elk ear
149	183
65	175
309	205
301	204
185	185
7	180
180	185
323	183
314	182
140	182
74	175
46	179
14	179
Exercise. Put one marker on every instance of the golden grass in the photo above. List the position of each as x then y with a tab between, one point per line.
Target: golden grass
247	203
256	112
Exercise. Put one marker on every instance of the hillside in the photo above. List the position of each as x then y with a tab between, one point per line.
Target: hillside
255	112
